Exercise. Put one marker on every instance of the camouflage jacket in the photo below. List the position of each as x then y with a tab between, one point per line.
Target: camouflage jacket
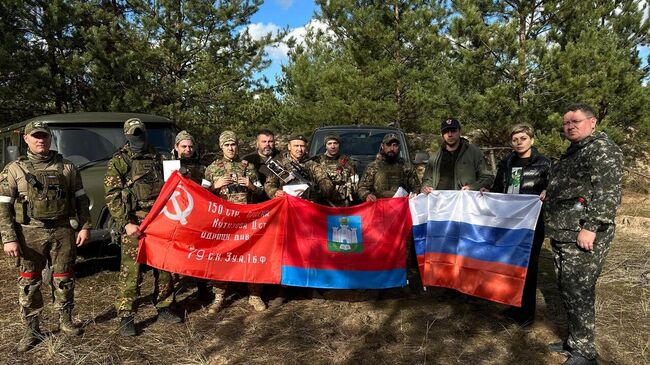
194	167
118	186
591	169
323	186
236	168
14	189
342	171
382	178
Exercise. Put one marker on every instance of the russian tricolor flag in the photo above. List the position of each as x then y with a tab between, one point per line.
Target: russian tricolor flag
477	244
359	247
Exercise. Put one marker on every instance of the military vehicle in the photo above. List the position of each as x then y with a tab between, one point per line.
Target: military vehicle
89	140
359	142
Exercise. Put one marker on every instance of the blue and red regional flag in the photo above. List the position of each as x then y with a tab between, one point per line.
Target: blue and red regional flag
478	245
191	231
359	247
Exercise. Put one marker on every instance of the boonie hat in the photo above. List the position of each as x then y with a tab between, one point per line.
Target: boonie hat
38	126
227	136
133	124
390	137
449	123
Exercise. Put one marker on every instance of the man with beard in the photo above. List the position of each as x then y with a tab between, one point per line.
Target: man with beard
185	151
236	181
134	178
340	169
42	204
457	165
322	187
387	173
265	148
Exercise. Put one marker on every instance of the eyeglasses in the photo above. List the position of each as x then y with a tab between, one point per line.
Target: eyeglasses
570	123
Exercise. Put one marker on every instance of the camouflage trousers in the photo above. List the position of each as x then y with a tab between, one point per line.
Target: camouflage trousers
221	287
577	272
40	246
130	280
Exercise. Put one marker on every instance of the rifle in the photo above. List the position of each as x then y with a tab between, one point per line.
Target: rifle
297	174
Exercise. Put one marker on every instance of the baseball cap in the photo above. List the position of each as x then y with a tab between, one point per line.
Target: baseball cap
133	124
449	123
298	136
37	126
390	137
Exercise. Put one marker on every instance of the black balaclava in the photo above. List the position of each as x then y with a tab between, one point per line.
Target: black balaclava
137	140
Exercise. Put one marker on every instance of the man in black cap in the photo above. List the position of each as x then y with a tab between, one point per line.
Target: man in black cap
457	165
340	169
387	173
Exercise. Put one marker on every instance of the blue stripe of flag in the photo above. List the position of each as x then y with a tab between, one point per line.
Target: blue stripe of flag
343	279
494	244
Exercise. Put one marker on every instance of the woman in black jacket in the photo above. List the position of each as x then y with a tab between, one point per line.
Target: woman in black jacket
525	171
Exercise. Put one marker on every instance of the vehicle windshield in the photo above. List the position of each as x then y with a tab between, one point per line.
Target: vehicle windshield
84	145
355	143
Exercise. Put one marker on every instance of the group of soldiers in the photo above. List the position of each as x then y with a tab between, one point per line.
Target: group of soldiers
43	205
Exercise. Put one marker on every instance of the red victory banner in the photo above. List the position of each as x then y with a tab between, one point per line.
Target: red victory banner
191	231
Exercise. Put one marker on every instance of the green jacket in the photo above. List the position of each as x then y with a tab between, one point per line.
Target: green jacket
470	168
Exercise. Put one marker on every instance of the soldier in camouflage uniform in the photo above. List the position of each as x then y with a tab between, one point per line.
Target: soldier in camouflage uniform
191	167
581	201
42	203
133	181
236	181
387	173
340	169
323	188
185	151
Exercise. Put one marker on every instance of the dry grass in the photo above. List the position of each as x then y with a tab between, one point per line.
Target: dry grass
440	327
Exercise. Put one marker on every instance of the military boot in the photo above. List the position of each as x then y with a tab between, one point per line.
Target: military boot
166	315
217	304
127	326
32	335
66	325
256	302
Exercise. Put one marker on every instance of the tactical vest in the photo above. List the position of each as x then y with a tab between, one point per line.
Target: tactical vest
340	175
48	195
144	179
389	177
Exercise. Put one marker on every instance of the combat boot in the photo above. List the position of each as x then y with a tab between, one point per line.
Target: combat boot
216	305
32	335
127	326
66	325
256	302
166	314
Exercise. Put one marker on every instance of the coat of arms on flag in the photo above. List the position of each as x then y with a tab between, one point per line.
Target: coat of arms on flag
344	233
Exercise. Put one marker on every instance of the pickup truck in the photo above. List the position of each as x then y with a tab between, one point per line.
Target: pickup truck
360	143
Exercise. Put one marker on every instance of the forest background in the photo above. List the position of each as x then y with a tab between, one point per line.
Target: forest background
488	63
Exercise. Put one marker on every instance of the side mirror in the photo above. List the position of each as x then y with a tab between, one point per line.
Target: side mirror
12	153
421	158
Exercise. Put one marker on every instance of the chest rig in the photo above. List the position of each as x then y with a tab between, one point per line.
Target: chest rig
48	194
144	180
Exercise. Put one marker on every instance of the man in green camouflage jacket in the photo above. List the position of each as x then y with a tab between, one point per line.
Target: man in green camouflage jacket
133	180
322	187
387	173
581	201
340	169
236	181
42	203
185	151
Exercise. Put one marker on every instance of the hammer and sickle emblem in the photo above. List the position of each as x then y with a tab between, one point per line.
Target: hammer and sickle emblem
179	215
